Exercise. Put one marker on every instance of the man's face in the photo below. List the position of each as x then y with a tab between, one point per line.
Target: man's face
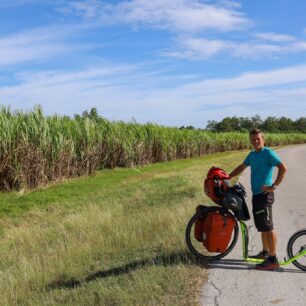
257	141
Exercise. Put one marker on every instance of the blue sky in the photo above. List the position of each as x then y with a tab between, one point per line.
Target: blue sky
172	62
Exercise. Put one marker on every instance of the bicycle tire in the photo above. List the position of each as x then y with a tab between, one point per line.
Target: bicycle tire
197	248
294	246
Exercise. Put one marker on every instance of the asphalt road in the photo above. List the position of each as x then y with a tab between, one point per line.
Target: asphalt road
233	282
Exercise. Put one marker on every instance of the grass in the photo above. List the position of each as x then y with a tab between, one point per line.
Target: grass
116	238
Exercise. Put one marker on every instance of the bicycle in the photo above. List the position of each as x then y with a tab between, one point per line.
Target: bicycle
296	246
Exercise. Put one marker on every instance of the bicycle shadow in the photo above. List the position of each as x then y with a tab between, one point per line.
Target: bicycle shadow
239	264
171	259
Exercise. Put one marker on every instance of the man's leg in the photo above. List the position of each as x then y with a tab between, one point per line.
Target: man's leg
262	209
265	244
271	262
271	239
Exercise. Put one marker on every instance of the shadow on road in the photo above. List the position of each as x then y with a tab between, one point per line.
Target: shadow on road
239	264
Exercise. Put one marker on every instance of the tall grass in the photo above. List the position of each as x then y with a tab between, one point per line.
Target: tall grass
117	239
36	149
117	250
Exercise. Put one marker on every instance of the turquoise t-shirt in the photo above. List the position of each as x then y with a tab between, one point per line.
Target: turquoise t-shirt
262	164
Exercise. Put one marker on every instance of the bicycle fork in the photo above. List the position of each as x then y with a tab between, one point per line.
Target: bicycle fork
245	244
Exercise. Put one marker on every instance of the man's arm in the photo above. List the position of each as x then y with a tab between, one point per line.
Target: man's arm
282	168
238	170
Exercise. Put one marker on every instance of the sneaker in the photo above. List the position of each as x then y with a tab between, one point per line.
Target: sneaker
261	255
268	264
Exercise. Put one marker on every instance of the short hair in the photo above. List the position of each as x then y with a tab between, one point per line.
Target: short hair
257	131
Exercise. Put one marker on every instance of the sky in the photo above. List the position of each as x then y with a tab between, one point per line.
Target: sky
170	62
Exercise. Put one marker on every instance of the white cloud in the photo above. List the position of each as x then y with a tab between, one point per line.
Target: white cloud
107	87
37	44
255	50
57	91
194	48
259	49
199	48
229	3
115	91
191	21
250	81
173	15
54	78
274	37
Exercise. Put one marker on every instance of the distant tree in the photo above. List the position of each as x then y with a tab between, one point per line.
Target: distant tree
246	124
270	125
190	127
286	125
92	114
256	121
77	117
229	124
300	124
212	125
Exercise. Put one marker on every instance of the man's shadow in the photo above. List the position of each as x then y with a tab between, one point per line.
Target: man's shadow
171	259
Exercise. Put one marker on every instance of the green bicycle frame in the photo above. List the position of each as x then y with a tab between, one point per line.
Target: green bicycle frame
245	244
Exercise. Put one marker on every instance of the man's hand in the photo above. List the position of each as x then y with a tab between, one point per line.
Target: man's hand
265	189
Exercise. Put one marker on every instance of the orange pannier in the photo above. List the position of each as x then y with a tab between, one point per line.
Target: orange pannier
218	231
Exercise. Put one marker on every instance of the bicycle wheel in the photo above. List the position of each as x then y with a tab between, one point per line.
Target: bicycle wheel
197	248
297	244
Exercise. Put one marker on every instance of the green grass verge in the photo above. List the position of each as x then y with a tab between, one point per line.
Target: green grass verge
113	239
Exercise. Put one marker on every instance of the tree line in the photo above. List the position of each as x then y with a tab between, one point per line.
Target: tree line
246	124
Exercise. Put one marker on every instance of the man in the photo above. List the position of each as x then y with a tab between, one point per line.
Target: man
262	161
